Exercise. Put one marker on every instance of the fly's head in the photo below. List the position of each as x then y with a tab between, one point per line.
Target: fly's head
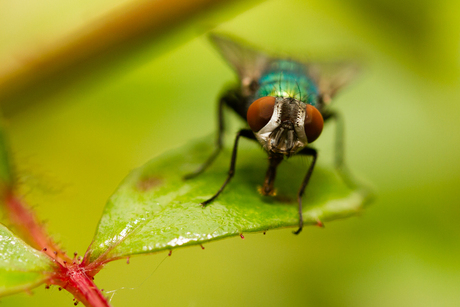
284	125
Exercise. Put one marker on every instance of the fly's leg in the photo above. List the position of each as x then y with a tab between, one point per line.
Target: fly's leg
245	133
339	136
307	152
229	96
339	147
268	187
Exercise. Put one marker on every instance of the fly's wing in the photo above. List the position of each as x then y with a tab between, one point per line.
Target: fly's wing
331	77
247	62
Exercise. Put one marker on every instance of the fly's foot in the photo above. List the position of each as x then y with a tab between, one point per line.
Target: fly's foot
300	224
191	175
297	231
267	191
207	202
187	176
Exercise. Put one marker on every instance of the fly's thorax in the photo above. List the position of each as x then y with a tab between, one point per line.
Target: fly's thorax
284	133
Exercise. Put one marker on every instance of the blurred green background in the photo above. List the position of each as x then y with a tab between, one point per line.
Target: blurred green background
402	116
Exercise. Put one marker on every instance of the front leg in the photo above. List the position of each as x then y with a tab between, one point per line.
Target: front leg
228	99
308	152
268	189
245	133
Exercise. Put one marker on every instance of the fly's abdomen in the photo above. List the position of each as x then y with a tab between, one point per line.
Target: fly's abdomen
285	78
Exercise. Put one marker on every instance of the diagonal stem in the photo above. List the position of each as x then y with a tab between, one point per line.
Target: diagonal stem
30	229
74	279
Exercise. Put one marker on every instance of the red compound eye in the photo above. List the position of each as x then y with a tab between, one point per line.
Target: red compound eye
260	112
313	123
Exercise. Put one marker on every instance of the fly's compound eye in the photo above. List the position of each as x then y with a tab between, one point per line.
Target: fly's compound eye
313	123
260	112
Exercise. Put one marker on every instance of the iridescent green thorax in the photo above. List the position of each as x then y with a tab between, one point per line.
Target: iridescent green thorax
285	78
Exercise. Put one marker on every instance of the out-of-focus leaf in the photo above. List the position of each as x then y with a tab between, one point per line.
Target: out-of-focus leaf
155	209
21	266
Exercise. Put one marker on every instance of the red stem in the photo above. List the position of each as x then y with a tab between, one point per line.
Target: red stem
30	229
73	278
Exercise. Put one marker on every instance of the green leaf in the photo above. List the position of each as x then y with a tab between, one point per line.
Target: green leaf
21	266
154	209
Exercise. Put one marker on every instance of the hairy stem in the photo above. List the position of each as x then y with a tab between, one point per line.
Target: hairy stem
73	278
30	229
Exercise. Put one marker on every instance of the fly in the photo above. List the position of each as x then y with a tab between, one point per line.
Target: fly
285	104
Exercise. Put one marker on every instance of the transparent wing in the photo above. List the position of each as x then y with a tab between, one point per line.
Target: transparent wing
331	77
246	61
250	63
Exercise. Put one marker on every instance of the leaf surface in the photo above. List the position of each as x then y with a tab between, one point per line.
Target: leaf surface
21	266
154	209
